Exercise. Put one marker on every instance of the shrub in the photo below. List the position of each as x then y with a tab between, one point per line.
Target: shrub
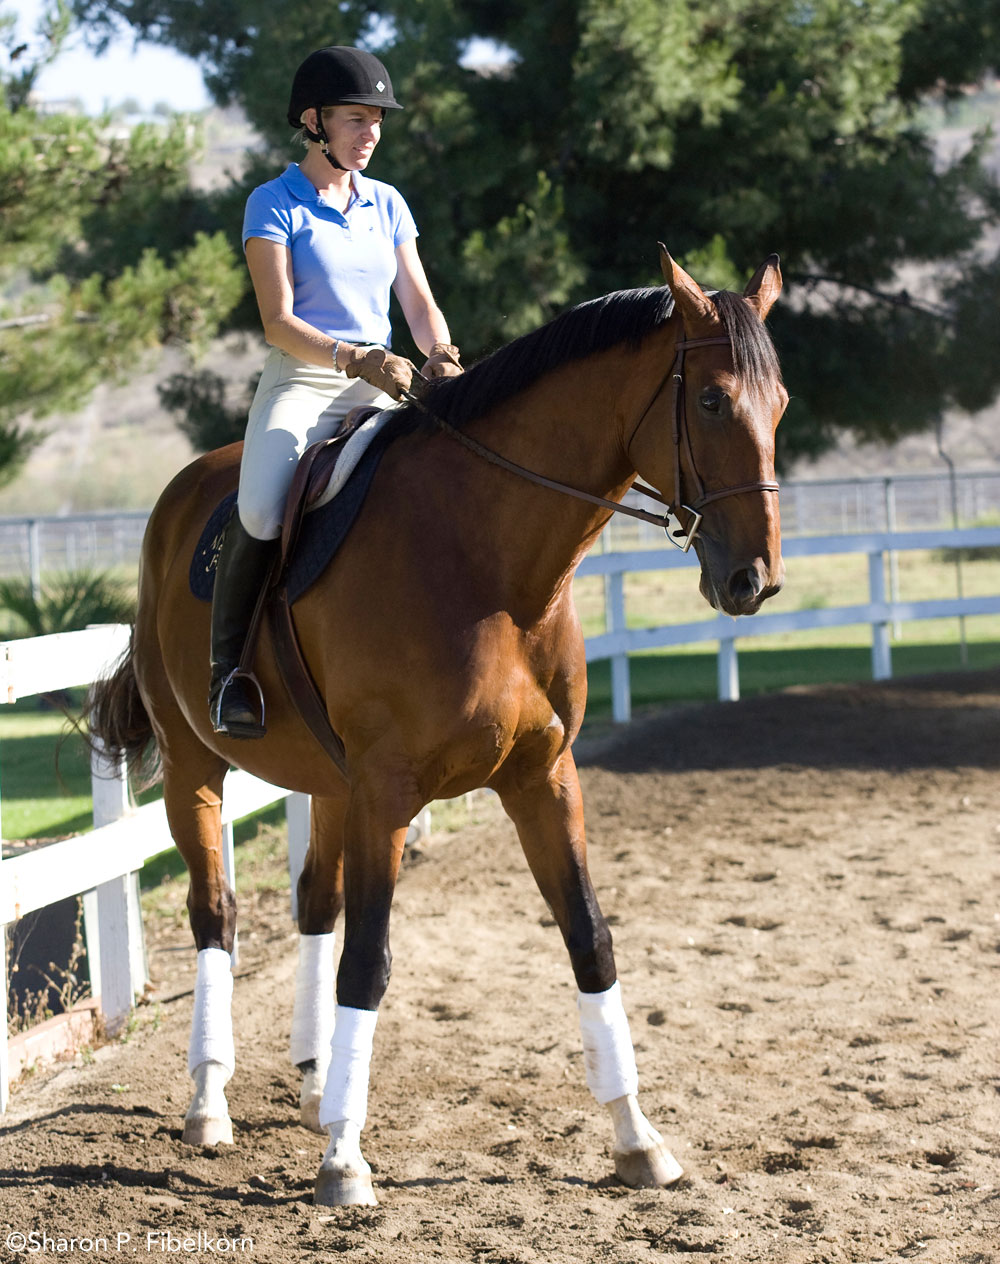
68	602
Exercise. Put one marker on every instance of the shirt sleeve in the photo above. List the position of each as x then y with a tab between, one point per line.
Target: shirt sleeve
403	227
263	219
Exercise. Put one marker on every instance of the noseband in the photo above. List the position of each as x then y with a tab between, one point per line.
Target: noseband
678	534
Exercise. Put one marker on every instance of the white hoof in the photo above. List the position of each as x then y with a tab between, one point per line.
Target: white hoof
642	1159
310	1096
207	1122
344	1178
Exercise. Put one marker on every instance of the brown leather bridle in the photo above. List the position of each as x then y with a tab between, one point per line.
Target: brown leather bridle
684	537
678	534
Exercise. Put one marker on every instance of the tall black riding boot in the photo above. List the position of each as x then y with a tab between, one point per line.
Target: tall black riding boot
236	705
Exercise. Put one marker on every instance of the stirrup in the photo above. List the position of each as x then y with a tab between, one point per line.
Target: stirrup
237	728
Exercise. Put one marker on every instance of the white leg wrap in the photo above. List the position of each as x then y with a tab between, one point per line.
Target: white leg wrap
313	1012
212	1021
345	1096
608	1057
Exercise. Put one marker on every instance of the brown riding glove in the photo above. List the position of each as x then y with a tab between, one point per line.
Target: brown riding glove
443	361
381	369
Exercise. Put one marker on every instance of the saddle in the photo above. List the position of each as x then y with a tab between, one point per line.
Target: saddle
322	505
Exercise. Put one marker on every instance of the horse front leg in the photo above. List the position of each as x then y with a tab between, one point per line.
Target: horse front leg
192	793
320	899
547	809
375	833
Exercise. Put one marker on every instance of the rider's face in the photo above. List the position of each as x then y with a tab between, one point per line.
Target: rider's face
353	131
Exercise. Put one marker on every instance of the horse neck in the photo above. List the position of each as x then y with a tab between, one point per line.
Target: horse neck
567	427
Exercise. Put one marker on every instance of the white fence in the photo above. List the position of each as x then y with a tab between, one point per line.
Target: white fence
44	544
102	864
880	612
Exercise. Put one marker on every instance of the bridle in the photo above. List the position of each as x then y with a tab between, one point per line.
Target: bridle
684	537
681	536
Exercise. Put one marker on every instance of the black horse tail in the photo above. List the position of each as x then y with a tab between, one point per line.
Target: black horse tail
119	719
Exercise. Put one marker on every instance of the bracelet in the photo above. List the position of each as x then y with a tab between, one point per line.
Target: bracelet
336	353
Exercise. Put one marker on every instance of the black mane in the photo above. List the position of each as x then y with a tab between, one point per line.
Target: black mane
624	316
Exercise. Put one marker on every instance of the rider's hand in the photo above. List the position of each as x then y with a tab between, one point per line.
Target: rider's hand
381	369
442	361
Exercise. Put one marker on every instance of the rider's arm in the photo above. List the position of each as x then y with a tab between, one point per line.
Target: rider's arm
270	265
424	317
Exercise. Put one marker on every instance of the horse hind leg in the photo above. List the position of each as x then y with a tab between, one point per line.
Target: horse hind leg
192	793
320	899
548	812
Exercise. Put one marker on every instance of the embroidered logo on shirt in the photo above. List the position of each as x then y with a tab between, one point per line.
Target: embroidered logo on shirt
380	85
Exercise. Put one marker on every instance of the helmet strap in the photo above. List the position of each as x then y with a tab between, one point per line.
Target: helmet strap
324	140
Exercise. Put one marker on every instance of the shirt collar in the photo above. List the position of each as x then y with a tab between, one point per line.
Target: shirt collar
301	187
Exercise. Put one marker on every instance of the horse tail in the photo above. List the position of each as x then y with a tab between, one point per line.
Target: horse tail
119	719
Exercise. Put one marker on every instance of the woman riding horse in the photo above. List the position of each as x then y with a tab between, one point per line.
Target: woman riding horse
323	244
444	641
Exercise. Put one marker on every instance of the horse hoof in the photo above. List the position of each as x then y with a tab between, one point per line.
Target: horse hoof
333	1189
309	1115
654	1168
204	1131
309	1099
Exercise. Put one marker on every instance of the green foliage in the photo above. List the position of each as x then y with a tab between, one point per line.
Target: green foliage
68	603
104	251
198	400
727	128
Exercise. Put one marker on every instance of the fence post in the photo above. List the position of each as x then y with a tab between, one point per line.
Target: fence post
728	669
113	915
621	692
35	558
298	815
881	644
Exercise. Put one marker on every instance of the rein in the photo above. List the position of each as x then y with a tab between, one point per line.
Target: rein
676	533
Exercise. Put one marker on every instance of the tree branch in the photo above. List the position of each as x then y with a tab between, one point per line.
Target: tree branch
901	298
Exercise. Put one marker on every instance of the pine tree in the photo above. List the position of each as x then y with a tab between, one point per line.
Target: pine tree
97	264
727	128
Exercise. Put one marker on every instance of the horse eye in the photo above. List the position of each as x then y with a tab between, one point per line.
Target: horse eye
711	401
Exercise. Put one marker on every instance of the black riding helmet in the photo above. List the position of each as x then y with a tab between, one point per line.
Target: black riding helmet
340	76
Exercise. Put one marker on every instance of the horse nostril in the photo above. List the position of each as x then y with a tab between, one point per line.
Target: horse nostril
745	586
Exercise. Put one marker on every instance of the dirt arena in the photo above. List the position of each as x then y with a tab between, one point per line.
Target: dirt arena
805	901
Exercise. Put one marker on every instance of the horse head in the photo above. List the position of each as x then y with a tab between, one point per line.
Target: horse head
715	451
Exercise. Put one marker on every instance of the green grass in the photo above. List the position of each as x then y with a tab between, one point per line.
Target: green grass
658	679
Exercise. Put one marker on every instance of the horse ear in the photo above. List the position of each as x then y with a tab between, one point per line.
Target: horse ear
764	286
691	302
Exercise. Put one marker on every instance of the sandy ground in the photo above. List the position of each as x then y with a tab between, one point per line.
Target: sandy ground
804	896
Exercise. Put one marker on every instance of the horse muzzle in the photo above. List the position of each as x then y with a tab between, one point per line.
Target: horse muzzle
745	589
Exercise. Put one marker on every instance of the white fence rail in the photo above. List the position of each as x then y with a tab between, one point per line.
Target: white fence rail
880	612
36	545
102	865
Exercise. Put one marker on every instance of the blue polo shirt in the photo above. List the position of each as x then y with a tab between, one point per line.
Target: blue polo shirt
343	265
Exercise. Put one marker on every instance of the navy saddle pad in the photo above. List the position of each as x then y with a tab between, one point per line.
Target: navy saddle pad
321	535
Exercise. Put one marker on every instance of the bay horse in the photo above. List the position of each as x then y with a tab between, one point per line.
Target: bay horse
446	646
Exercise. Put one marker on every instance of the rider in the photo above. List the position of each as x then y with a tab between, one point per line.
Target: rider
323	244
